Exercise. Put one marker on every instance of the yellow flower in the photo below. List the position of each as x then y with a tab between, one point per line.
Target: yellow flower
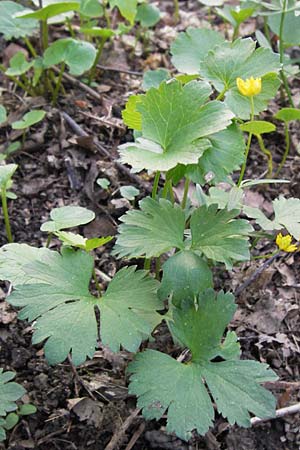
249	87
284	243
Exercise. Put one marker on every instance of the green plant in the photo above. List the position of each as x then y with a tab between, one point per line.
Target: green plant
10	392
29	119
286	115
6	173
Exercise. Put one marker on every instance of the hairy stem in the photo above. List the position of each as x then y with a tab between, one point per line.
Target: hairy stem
58	84
155	185
185	193
268	155
287	148
281	54
5	215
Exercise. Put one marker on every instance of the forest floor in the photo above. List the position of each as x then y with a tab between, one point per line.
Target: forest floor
83	410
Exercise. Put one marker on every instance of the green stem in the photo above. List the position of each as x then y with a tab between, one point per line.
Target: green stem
248	144
69	25
50	235
235	32
106	14
94	66
30	47
185	193
287	148
58	84
281	55
269	255
266	30
155	185
176	10
170	188
16	81
268	155
5	214
45	38
97	282
222	93
147	264
157	268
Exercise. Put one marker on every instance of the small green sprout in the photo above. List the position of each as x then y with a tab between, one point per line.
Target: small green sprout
29	119
6	173
104	183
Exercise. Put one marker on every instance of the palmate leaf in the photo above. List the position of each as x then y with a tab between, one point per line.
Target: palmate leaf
286	215
13	27
175	125
191	47
154	229
224	156
219	236
56	296
233	384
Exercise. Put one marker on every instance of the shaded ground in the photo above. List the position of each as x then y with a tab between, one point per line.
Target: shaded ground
56	168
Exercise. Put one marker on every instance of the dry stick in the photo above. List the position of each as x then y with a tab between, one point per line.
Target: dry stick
293	409
80	132
135	436
116	69
78	83
255	275
79	379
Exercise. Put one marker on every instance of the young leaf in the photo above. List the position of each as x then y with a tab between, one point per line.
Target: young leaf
10	25
233	384
11	420
240	104
147	15
130	115
78	55
153	78
27	409
175	123
128	8
129	192
91	8
51	10
131	302
287	114
219	236
76	240
191	47
258	127
154	229
103	183
3	114
10	392
287	215
29	119
67	217
6	173
18	65
185	275
224	156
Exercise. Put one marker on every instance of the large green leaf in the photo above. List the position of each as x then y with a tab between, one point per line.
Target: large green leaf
67	217
240	105
128	8
185	274
11	26
286	212
228	61
128	309
234	384
191	47
79	56
175	124
219	236
56	297
154	229
224	156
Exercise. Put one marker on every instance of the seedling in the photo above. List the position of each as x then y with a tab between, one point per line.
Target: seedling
10	392
286	115
235	16
29	119
104	183
129	192
6	173
3	114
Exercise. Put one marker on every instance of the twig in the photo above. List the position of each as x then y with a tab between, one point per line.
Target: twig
79	379
113	443
80	132
255	275
78	83
293	409
116	69
135	436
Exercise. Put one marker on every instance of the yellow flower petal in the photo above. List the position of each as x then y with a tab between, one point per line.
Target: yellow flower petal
285	243
249	87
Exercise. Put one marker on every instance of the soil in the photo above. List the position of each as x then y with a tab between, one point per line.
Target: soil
82	409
